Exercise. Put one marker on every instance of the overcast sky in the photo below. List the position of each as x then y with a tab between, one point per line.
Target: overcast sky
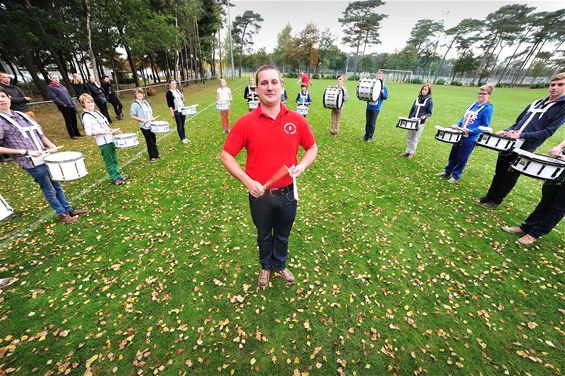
395	30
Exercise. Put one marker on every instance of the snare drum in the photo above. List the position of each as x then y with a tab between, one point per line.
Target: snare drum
222	106
412	124
449	135
5	209
160	126
302	109
126	140
187	110
333	98
65	166
369	90
252	105
538	166
498	142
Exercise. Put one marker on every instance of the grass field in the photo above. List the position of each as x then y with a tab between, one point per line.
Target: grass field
398	272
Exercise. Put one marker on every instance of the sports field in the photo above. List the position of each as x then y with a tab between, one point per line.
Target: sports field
397	270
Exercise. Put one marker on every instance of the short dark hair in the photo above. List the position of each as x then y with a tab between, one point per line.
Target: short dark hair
2	90
264	68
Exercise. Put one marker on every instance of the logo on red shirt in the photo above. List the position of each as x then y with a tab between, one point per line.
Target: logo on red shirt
289	128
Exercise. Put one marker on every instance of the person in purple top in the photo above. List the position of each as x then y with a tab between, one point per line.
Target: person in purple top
60	95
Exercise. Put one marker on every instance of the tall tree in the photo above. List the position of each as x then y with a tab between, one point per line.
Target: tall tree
244	29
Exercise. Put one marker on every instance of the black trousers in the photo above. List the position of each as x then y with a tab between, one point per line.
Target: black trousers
549	211
151	142
118	107
70	115
103	107
504	178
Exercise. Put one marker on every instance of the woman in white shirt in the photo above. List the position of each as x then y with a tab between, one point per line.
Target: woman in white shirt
223	95
175	100
96	125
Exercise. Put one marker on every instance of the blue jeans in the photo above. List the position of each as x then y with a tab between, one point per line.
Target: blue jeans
52	190
180	119
273	217
371	120
459	156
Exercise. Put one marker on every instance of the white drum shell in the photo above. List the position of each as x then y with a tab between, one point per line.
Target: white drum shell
252	105
333	98
449	135
222	106
496	142
160	127
126	140
66	166
411	124
302	110
369	90
5	209
188	110
538	166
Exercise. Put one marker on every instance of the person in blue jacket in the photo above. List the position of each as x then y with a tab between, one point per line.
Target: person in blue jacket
303	97
539	121
421	109
373	109
479	114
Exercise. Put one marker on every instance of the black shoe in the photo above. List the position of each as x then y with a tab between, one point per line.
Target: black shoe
480	200
74	138
489	205
6	160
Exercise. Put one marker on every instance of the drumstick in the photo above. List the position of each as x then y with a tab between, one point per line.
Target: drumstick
156	117
282	171
294	187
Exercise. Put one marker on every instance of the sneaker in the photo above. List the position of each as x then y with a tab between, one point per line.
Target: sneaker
513	230
527	240
125	177
452	180
118	181
185	141
264	276
67	219
153	160
287	276
6	282
74	137
443	174
410	155
76	212
369	140
489	205
404	154
480	200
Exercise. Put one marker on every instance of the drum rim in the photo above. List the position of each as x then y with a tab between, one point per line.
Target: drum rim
74	159
536	157
449	130
158	122
497	135
125	136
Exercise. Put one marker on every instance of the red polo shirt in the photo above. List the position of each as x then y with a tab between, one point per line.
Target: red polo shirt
269	143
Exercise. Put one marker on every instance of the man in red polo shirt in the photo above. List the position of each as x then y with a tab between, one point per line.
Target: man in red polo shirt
271	134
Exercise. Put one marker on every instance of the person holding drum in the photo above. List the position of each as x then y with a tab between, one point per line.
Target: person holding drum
539	121
175	100
479	114
421	109
223	95
303	97
373	109
96	125
141	111
23	138
271	135
250	92
336	112
549	211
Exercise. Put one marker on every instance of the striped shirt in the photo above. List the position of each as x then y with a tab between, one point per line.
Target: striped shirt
11	137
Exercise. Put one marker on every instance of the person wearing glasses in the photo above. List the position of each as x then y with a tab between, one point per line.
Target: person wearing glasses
536	123
479	114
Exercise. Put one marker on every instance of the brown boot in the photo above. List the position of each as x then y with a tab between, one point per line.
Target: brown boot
527	239
513	230
67	219
76	212
287	276
264	276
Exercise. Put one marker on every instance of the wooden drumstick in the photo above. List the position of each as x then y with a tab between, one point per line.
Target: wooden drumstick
294	187
282	171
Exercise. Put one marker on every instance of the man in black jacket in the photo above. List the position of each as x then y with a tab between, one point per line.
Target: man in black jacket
112	97
99	97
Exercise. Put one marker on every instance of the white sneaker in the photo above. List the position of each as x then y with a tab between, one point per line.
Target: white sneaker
452	180
6	282
185	141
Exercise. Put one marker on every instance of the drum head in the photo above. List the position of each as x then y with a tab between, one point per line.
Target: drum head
63	156
377	90
339	100
159	122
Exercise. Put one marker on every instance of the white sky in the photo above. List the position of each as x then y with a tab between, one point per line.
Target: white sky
395	30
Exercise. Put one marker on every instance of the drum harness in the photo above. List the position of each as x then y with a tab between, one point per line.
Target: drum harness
471	116
420	105
101	119
28	132
303	98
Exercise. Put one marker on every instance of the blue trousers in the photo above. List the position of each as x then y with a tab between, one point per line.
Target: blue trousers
52	190
273	217
459	156
370	121
549	211
180	119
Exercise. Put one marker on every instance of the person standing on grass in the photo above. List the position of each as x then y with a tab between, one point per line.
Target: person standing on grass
479	114
250	92
141	111
373	109
304	79
271	135
336	112
60	95
96	125
421	109
175	101
539	121
23	138
97	93
223	95
112	97
303	97
550	209
79	86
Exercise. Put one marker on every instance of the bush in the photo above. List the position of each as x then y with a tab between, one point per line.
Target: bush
316	76
126	80
416	81
538	85
456	83
353	78
440	82
291	75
